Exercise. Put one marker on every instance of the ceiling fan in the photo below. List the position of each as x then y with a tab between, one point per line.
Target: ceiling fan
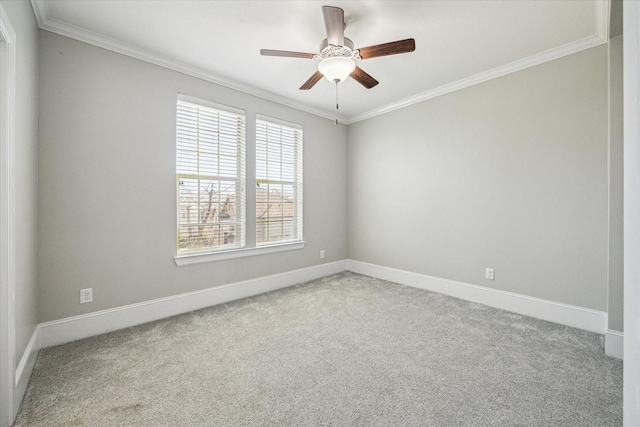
337	54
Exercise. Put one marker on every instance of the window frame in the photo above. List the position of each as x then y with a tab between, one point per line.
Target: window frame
212	255
239	179
297	181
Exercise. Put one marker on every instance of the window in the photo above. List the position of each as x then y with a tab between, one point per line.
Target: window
210	173
278	182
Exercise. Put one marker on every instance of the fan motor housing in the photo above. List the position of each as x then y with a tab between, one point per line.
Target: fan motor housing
327	50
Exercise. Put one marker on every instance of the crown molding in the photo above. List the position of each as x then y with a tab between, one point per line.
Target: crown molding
41	10
521	64
603	18
45	22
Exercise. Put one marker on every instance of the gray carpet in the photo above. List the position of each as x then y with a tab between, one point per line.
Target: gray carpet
344	350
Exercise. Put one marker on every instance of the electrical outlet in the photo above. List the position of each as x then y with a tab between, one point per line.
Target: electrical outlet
322	254
86	295
488	273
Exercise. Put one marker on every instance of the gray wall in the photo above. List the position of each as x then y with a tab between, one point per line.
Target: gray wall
631	379
107	182
509	174
615	305
26	172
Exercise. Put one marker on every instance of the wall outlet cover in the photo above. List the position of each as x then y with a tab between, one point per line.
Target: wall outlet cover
488	273
86	295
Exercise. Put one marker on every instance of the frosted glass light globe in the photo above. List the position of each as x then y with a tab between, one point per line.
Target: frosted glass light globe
336	68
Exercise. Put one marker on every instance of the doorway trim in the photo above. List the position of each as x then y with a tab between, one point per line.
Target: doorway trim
7	219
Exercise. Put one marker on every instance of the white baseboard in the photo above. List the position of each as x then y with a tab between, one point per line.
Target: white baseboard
614	344
564	314
78	327
24	369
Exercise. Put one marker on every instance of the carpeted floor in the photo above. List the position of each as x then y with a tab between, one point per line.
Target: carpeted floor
344	350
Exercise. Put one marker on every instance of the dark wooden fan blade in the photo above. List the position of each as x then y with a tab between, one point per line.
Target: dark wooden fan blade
312	81
363	78
391	48
334	24
289	54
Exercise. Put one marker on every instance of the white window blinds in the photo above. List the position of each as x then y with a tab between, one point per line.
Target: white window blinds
278	182
210	153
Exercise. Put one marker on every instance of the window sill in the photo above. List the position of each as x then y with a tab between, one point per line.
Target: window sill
236	253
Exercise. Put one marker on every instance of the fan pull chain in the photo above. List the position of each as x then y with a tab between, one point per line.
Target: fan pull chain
337	81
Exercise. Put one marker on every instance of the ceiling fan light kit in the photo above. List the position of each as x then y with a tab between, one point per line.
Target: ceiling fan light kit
336	62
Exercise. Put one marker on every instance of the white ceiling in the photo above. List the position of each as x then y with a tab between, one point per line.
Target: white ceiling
458	43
